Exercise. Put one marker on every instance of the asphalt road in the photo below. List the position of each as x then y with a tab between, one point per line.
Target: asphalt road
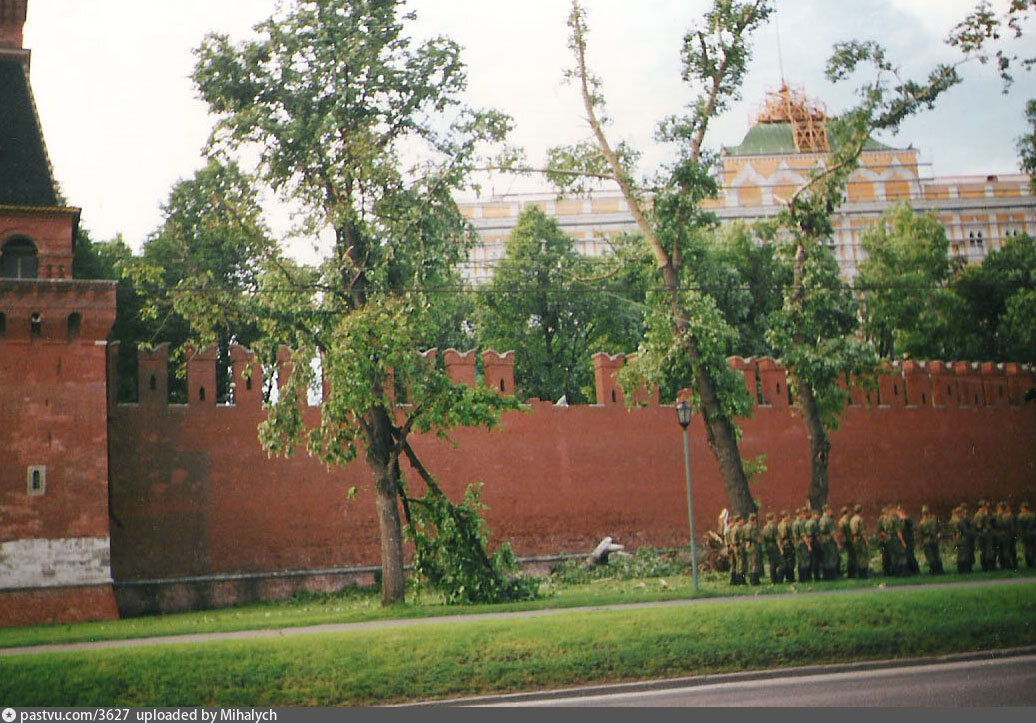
1000	682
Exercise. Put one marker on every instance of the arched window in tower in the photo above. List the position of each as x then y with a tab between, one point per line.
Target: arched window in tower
75	325
19	259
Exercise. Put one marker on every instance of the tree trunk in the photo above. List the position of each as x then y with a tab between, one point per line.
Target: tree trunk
720	432
819	445
806	401
381	458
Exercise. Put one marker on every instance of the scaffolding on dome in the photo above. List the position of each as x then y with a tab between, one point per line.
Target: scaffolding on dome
807	117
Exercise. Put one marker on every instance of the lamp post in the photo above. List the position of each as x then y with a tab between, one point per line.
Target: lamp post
683	414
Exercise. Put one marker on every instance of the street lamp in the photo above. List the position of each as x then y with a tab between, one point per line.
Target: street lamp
683	415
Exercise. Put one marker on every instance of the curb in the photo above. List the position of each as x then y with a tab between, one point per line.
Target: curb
700	680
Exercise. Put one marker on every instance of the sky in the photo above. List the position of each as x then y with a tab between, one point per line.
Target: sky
122	121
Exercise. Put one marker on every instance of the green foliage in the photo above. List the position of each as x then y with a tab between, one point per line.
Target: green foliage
995	321
203	257
362	129
450	541
646	561
984	34
545	302
110	260
1027	145
907	306
814	333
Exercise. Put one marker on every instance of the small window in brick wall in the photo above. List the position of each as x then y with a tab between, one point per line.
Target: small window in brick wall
75	325
36	480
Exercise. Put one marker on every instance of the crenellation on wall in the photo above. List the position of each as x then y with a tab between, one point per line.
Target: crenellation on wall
606	371
152	375
917	384
285	365
460	366
891	390
969	385
247	377
201	375
944	383
499	371
1019	380
994	384
773	378
748	369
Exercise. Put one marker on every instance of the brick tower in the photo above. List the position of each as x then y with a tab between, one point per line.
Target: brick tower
54	528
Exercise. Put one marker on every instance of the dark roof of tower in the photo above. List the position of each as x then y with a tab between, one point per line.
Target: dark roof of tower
25	176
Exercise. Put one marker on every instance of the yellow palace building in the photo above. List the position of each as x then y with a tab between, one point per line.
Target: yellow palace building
788	140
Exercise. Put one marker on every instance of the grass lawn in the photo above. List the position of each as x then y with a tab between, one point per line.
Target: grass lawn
372	666
363	604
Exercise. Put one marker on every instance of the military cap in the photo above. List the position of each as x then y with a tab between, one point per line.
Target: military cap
924	509
845	508
1023	506
752	516
769	515
858	508
784	513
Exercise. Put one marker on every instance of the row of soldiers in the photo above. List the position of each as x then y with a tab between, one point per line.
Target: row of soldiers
813	543
994	535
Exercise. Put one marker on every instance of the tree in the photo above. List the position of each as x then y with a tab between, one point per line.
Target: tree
211	235
995	322
743	271
540	302
686	333
362	130
109	260
886	100
907	305
1027	145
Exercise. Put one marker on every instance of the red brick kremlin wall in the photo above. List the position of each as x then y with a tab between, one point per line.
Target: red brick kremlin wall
194	496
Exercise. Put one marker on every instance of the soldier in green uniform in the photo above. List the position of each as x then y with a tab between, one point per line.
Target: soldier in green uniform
1008	525
811	531
802	546
896	543
786	541
828	547
928	534
884	529
908	534
731	538
751	551
999	530
845	543
1027	533
963	538
981	524
858	536
771	549
1012	543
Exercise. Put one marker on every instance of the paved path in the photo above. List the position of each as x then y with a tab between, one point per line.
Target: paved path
397	622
